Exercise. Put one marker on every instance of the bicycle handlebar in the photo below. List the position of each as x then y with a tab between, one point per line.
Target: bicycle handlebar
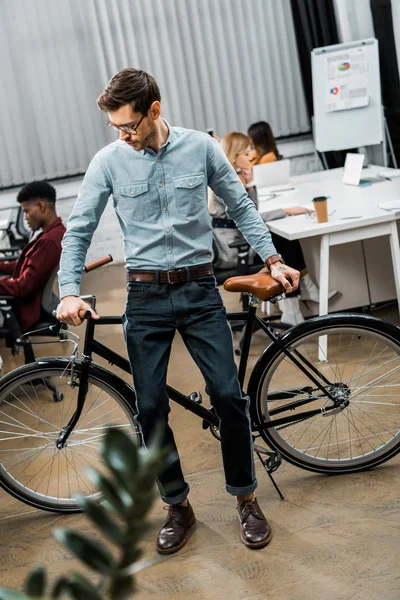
98	262
84	314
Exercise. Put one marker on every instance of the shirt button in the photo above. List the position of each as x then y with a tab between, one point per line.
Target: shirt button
158	160
167	230
169	251
164	208
131	192
161	185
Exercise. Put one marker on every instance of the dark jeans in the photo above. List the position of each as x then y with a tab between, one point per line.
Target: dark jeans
153	313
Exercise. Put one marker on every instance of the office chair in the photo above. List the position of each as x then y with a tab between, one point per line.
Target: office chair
242	268
11	330
18	235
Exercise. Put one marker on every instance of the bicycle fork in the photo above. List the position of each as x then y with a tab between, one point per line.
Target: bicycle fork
83	385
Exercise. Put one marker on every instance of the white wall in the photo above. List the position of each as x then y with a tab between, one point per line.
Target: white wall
219	63
354	20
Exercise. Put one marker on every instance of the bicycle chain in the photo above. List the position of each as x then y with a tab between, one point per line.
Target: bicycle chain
293	423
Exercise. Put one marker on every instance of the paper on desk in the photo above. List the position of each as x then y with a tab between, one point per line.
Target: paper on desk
392	174
390	205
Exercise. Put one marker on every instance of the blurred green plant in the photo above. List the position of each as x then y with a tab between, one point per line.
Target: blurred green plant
128	492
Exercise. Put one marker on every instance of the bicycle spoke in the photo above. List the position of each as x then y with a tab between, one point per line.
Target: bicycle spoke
366	375
31	422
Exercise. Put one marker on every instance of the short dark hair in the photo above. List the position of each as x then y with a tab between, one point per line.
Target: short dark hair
37	190
130	86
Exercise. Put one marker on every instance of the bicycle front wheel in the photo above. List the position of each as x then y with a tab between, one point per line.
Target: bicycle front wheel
36	402
362	368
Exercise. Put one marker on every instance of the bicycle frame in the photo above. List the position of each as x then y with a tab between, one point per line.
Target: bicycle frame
92	346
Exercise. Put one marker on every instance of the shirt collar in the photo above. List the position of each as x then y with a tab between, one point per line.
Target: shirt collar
163	148
57	221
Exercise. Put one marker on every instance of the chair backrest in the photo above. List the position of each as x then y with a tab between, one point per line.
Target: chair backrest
50	300
21	226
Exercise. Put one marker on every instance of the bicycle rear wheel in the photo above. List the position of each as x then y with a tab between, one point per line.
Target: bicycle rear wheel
362	366
32	416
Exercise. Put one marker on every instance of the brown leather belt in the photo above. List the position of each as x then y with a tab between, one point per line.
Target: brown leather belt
186	274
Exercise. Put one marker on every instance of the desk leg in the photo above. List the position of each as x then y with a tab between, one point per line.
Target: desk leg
323	293
395	249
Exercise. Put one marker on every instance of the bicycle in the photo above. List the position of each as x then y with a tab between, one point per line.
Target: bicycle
340	415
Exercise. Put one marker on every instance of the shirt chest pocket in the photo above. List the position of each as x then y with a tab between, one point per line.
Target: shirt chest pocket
134	201
190	194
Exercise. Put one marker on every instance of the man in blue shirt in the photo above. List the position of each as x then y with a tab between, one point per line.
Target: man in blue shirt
158	177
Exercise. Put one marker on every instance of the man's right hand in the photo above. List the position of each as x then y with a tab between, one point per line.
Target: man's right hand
68	310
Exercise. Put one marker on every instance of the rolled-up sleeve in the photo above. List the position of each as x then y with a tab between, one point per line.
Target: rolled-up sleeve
89	206
225	183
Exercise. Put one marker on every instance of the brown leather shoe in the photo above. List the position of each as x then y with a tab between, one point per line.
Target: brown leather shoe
174	533
254	529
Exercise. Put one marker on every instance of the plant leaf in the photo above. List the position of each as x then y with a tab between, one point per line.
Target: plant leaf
120	454
9	594
151	463
139	565
100	517
80	588
118	499
122	588
60	586
36	582
88	550
88	586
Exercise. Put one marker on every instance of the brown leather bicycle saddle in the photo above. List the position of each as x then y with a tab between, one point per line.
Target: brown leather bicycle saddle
259	284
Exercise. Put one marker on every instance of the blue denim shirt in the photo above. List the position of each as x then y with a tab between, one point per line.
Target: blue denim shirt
161	204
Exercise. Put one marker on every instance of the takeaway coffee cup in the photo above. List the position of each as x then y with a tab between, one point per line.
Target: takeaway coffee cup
321	208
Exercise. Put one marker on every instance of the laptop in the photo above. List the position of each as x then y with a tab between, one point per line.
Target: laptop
353	168
274	173
352	171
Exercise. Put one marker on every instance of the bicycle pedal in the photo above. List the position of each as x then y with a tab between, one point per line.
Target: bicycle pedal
196	397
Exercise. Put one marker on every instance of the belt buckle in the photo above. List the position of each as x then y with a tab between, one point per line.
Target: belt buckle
169	275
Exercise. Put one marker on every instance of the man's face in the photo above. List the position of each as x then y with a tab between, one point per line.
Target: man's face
146	130
34	212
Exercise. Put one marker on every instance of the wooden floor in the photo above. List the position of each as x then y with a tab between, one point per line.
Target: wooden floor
335	538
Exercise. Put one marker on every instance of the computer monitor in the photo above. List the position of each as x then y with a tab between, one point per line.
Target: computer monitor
274	173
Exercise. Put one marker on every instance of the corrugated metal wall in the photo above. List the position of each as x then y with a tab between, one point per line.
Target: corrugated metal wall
219	63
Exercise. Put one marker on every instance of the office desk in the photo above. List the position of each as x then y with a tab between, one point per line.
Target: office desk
356	217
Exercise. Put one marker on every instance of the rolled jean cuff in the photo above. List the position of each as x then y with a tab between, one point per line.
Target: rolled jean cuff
241	491
176	499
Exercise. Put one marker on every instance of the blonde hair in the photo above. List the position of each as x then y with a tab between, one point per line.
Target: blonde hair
234	143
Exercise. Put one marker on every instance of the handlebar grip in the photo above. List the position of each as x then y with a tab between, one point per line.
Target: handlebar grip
84	314
99	262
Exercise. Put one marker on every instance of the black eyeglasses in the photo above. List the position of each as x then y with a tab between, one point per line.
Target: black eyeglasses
126	128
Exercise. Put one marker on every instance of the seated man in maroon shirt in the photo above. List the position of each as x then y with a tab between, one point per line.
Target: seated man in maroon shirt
39	257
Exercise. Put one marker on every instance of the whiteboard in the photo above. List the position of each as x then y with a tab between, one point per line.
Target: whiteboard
359	120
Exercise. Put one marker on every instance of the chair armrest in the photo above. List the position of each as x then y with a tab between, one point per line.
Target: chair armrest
239	244
8	258
10	249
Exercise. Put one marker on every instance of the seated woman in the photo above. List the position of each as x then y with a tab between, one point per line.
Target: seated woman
264	143
238	150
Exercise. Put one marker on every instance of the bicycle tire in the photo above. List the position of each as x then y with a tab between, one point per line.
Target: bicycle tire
261	390
32	414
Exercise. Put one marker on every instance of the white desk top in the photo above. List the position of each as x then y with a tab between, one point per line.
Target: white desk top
359	203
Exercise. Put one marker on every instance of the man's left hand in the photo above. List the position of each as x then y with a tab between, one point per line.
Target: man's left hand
287	276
